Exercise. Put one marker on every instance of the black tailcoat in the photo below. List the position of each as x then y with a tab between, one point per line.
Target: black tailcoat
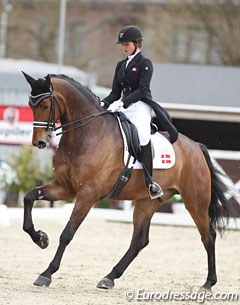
132	84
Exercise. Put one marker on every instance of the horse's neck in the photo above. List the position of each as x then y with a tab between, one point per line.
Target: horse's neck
83	135
77	108
76	116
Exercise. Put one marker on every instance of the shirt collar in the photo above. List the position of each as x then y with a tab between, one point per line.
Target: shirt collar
130	57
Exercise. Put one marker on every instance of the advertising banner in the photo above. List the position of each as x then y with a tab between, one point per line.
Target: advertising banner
16	126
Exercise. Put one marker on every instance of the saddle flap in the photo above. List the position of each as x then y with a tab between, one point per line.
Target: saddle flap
131	135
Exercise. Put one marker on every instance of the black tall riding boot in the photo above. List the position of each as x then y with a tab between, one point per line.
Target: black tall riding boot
154	189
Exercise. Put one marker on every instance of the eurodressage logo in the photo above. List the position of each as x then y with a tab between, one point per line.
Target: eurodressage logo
200	297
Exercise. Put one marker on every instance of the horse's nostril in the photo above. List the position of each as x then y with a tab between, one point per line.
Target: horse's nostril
41	144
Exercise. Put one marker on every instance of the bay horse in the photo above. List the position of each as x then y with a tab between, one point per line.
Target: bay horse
87	163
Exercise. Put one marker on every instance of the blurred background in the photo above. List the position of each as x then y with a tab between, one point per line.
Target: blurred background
194	46
202	32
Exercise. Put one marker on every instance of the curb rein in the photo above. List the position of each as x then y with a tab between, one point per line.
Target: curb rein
51	123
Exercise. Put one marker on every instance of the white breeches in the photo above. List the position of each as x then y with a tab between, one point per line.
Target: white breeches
140	115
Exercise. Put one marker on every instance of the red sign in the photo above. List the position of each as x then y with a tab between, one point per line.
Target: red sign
16	126
22	114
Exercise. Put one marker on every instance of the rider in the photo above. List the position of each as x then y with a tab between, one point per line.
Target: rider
131	94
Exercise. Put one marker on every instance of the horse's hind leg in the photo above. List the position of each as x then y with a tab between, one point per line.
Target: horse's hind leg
143	212
198	209
208	238
209	245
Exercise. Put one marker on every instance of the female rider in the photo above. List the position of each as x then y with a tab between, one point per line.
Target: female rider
131	94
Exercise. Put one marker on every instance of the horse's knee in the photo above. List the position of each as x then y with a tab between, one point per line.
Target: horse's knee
143	243
66	236
140	242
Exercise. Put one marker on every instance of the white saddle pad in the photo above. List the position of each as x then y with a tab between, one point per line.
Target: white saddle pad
164	155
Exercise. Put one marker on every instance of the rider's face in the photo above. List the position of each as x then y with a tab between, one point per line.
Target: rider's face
128	48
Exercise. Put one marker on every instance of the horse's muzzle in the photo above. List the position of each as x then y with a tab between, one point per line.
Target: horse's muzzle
40	144
40	138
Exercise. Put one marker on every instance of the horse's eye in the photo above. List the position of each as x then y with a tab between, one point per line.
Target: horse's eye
45	107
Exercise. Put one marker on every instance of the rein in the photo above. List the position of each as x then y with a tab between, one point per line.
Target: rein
81	122
51	124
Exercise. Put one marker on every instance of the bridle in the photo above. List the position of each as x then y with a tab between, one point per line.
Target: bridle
50	125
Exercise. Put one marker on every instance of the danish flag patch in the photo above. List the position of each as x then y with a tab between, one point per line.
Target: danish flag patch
165	158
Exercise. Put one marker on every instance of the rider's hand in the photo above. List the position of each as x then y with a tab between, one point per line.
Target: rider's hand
104	105
115	106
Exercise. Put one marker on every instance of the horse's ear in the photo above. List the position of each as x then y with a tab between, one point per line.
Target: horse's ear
29	79
48	81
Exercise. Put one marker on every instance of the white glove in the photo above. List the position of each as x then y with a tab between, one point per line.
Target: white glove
115	106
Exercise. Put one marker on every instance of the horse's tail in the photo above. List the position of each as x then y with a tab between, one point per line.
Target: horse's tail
219	209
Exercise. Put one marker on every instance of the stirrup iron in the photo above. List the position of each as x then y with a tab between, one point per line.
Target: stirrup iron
155	190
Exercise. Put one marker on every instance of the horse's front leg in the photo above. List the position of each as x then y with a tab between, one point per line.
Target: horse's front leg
143	212
51	191
80	211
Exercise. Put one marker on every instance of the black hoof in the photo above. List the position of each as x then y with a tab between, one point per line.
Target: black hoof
105	283
43	241
208	285
42	281
205	289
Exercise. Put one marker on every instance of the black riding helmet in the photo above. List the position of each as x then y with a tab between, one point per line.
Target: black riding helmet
129	33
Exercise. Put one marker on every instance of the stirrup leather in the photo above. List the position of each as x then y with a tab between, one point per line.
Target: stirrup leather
155	190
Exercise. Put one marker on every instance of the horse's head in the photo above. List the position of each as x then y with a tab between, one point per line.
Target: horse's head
45	108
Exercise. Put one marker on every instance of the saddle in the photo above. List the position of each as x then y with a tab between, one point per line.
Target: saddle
131	133
134	149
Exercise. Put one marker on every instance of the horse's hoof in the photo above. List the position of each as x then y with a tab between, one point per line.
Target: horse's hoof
42	281
105	283
204	290
43	241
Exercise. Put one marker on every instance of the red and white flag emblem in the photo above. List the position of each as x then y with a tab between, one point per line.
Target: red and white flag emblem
165	158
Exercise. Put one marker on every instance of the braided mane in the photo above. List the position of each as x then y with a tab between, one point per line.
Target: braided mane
83	89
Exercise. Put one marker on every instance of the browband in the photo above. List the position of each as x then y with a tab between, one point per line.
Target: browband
36	99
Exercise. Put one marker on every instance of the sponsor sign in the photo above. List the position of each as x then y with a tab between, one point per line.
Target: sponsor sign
16	126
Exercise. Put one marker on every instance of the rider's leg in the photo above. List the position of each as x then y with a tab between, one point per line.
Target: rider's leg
140	114
154	189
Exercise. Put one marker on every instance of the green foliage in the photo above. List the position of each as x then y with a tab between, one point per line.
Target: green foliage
175	198
30	170
105	204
